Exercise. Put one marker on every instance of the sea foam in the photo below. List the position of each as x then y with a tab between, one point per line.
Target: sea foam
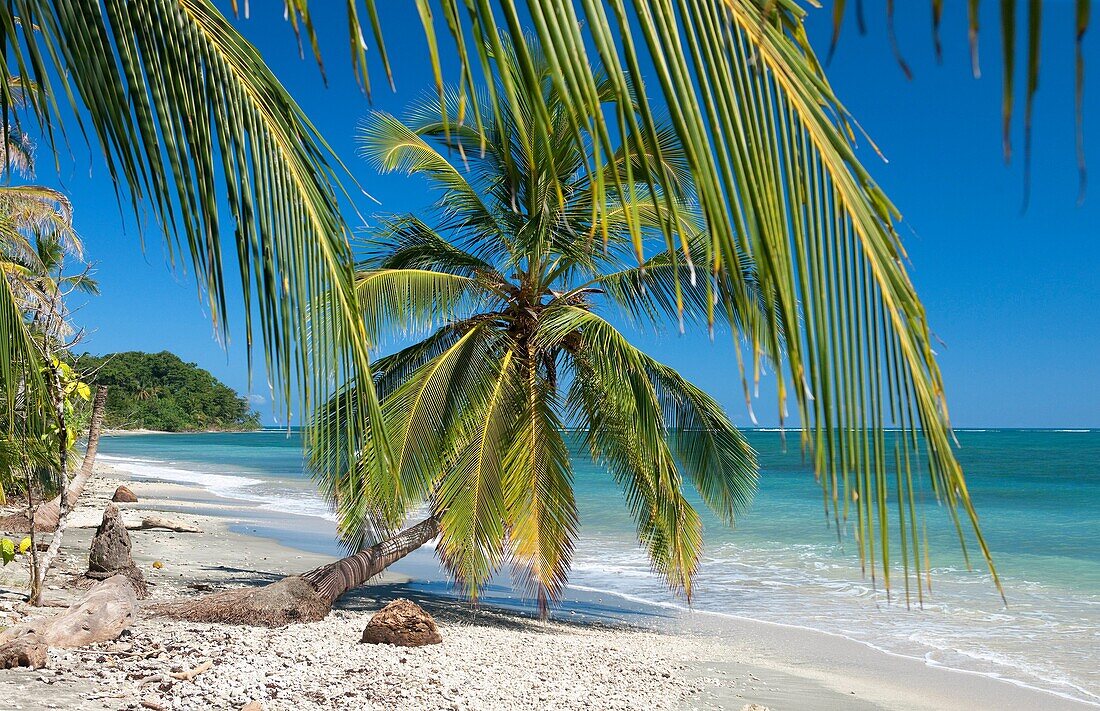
267	493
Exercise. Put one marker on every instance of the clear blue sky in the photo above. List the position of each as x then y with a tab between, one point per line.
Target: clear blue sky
1012	296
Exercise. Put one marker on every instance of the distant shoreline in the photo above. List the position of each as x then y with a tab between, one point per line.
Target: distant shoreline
117	432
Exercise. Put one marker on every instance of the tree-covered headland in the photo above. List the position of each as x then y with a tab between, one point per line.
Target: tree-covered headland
159	391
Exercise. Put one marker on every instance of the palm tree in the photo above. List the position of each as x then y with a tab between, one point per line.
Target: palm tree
771	152
515	287
508	285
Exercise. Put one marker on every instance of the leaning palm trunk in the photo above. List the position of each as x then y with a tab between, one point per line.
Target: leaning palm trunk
333	580
302	598
58	510
49	514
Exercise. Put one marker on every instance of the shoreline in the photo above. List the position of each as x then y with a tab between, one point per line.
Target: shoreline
713	659
118	432
651	614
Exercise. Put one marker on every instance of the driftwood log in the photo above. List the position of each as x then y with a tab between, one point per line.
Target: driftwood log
102	614
155	522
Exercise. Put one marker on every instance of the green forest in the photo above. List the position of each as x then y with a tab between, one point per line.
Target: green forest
159	391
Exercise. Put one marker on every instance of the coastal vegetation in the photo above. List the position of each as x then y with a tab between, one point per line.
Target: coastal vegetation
49	406
41	266
159	391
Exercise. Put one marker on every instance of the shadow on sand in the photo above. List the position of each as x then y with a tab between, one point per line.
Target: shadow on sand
499	605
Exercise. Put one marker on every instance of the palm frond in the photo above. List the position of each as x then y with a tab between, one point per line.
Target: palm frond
424	417
670	286
391	371
394	146
406	242
629	431
668	526
21	365
538	494
470	497
412	300
708	448
426	395
42	212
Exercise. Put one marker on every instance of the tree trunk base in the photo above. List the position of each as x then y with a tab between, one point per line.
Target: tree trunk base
19	523
132	574
279	604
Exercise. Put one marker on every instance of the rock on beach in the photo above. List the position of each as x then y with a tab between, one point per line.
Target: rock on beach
123	495
402	623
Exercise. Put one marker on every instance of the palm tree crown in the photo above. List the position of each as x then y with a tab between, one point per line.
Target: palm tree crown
510	283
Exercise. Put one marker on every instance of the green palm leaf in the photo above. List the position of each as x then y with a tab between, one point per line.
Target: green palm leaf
641	464
408	243
425	417
409	300
21	362
393	370
538	493
44	212
393	146
470	498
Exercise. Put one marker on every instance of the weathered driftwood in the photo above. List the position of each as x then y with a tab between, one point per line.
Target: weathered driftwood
102	614
155	522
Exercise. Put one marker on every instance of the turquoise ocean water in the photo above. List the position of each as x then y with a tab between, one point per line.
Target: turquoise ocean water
1037	492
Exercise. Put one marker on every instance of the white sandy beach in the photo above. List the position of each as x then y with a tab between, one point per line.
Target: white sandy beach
602	652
